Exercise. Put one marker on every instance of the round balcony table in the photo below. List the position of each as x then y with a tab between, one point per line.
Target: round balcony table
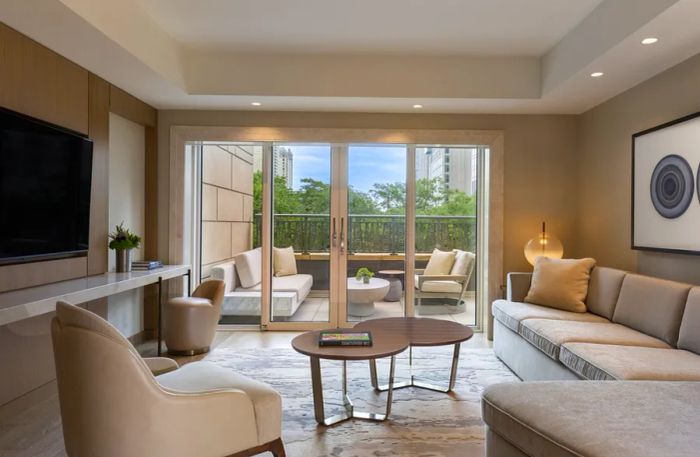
420	331
361	296
395	287
384	344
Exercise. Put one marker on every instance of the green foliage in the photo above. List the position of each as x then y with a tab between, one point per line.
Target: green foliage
313	197
122	238
364	272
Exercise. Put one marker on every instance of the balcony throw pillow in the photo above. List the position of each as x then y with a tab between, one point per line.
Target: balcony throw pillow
440	263
560	283
283	261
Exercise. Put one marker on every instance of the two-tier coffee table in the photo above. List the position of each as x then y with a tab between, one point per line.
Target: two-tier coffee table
419	332
384	344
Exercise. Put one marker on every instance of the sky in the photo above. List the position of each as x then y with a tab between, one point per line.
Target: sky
368	164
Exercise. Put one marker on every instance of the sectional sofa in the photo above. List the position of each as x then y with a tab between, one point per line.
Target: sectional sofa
638	348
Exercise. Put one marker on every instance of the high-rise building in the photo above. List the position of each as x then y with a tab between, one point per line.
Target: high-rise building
283	164
456	167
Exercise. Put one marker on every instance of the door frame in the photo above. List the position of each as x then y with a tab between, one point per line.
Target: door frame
492	278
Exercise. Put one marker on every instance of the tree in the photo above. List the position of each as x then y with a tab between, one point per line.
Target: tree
360	203
391	197
313	197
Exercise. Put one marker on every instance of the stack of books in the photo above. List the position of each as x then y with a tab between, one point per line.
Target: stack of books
344	338
146	265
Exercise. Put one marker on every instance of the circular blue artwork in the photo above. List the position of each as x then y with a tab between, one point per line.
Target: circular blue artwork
672	186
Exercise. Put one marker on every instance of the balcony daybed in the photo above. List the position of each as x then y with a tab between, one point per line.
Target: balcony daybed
243	279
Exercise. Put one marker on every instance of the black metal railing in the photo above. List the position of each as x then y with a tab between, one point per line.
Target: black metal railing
368	233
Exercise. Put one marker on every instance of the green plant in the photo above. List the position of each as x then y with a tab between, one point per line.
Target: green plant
122	238
363	273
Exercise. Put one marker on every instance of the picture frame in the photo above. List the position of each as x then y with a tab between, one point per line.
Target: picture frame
665	185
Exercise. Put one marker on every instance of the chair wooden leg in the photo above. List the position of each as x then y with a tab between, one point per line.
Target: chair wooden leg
276	447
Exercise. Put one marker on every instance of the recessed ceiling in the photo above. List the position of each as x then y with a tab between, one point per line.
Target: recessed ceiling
426	27
450	56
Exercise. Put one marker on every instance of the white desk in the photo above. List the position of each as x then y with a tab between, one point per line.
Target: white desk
17	305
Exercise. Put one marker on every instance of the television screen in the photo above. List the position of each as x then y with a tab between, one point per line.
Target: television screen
45	174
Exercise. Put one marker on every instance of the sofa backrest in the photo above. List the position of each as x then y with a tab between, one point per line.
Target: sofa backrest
689	336
652	306
227	273
604	290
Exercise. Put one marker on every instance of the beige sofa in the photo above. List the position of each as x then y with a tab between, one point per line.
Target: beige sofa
243	279
640	330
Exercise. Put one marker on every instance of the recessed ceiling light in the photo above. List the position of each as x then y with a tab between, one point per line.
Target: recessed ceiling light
418	106
650	40
256	104
597	74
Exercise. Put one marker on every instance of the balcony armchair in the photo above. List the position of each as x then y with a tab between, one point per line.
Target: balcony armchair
112	405
452	285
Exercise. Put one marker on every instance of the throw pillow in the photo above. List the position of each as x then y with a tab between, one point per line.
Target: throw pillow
249	267
560	283
440	263
283	261
463	260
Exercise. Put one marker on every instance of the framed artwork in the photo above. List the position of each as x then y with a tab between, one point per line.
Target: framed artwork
666	187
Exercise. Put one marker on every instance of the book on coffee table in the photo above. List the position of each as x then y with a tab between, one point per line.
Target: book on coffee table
344	338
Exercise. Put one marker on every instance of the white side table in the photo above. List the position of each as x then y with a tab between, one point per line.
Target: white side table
361	296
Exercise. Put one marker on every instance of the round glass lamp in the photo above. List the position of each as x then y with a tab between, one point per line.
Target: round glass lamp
544	244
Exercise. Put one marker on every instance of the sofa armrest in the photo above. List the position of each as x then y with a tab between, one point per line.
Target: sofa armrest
518	286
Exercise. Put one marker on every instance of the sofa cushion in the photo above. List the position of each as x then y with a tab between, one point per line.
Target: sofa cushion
448	287
227	273
283	261
511	314
608	362
560	283
604	290
300	283
249	267
651	305
567	419
548	335
440	263
689	336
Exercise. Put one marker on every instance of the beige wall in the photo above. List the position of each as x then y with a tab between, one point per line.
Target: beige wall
227	203
539	162
604	170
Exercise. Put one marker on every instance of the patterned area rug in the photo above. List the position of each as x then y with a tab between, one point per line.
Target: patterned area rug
422	423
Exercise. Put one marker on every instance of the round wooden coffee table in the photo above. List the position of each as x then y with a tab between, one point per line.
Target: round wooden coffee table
384	344
419	332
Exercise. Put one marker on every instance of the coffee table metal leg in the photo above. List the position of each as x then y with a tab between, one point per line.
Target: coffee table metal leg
415	382
350	412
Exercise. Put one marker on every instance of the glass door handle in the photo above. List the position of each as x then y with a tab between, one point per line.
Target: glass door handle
334	237
342	234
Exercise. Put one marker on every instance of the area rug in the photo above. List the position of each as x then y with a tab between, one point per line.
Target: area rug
422	423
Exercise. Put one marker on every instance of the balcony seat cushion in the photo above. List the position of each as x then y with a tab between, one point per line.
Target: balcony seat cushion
299	283
604	290
283	261
464	263
548	335
511	314
249	267
689	337
651	305
560	283
577	419
632	363
448	287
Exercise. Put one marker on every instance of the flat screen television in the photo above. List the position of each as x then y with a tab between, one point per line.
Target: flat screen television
45	174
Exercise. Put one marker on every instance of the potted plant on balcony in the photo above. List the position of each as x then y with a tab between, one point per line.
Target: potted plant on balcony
122	240
364	274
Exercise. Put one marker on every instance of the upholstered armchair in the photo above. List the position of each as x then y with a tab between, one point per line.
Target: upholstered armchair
450	283
190	322
112	405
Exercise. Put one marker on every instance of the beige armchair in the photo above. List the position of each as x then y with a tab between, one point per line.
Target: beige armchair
113	406
190	322
452	285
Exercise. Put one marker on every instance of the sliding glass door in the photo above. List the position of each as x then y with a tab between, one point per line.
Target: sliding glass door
318	235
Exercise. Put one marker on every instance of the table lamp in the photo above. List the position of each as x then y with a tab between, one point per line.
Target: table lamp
544	244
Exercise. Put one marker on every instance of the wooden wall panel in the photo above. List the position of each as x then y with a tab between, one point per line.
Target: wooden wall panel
150	239
36	81
99	201
130	107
